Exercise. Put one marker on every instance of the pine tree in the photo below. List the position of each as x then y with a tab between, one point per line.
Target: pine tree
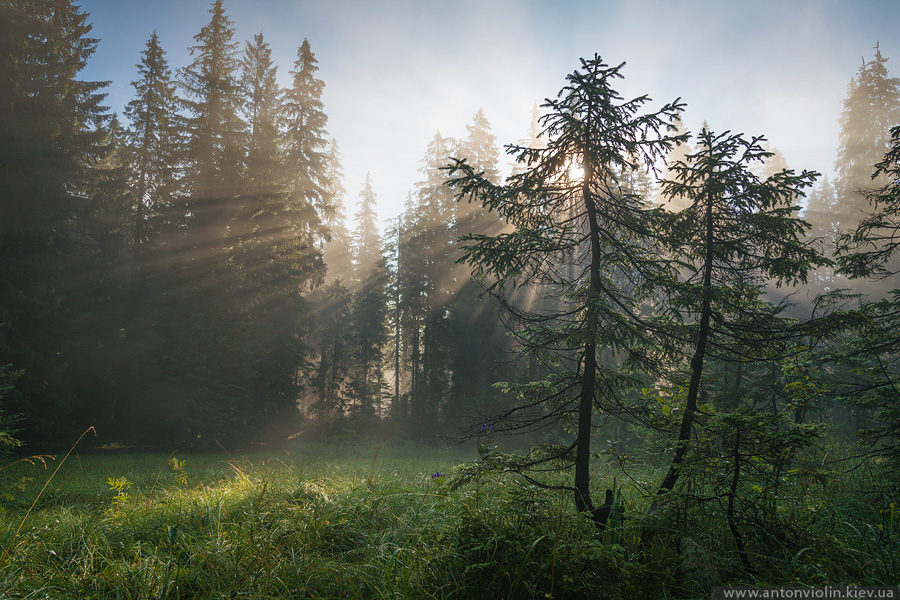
366	238
576	235
337	249
262	103
304	143
153	142
433	241
739	232
48	134
215	134
871	109
368	314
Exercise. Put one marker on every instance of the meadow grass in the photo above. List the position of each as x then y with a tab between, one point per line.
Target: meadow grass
377	522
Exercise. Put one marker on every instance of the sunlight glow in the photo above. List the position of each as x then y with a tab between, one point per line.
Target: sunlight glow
575	172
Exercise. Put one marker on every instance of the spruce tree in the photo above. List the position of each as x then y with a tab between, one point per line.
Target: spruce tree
262	103
871	250
412	296
369	312
304	145
49	132
871	109
337	249
48	114
432	237
476	344
366	238
575	235
674	156
532	140
480	147
368	326
103	366
393	245
258	225
869	351
153	143
821	206
330	333
215	132
740	231
330	325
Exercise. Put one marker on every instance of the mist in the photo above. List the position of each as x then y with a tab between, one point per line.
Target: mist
633	267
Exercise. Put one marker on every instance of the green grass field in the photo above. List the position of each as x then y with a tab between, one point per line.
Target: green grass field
377	522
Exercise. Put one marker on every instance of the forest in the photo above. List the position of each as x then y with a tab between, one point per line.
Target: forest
633	304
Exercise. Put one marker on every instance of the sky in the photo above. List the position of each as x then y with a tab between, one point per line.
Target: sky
398	71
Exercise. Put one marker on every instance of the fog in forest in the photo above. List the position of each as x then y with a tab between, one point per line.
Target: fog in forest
188	243
640	258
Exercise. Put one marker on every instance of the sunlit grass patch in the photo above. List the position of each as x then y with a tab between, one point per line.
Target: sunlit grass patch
331	522
203	525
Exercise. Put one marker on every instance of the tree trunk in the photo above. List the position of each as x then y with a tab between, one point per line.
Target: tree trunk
589	360
732	493
583	442
416	411
690	408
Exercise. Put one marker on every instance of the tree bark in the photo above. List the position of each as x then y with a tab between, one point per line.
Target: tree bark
690	407
589	360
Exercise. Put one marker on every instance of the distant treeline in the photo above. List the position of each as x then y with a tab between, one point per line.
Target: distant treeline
186	276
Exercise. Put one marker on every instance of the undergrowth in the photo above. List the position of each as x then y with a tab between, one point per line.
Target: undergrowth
345	522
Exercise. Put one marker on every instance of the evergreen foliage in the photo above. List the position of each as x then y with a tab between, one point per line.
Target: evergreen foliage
739	232
215	136
871	109
262	101
366	238
868	351
337	251
50	132
164	279
581	238
331	338
304	145
153	144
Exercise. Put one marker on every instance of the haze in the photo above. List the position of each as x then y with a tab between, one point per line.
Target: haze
397	72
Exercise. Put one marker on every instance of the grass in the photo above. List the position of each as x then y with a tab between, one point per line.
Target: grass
372	522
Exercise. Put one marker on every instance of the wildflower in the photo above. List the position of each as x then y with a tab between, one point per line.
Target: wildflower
487	428
436	475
